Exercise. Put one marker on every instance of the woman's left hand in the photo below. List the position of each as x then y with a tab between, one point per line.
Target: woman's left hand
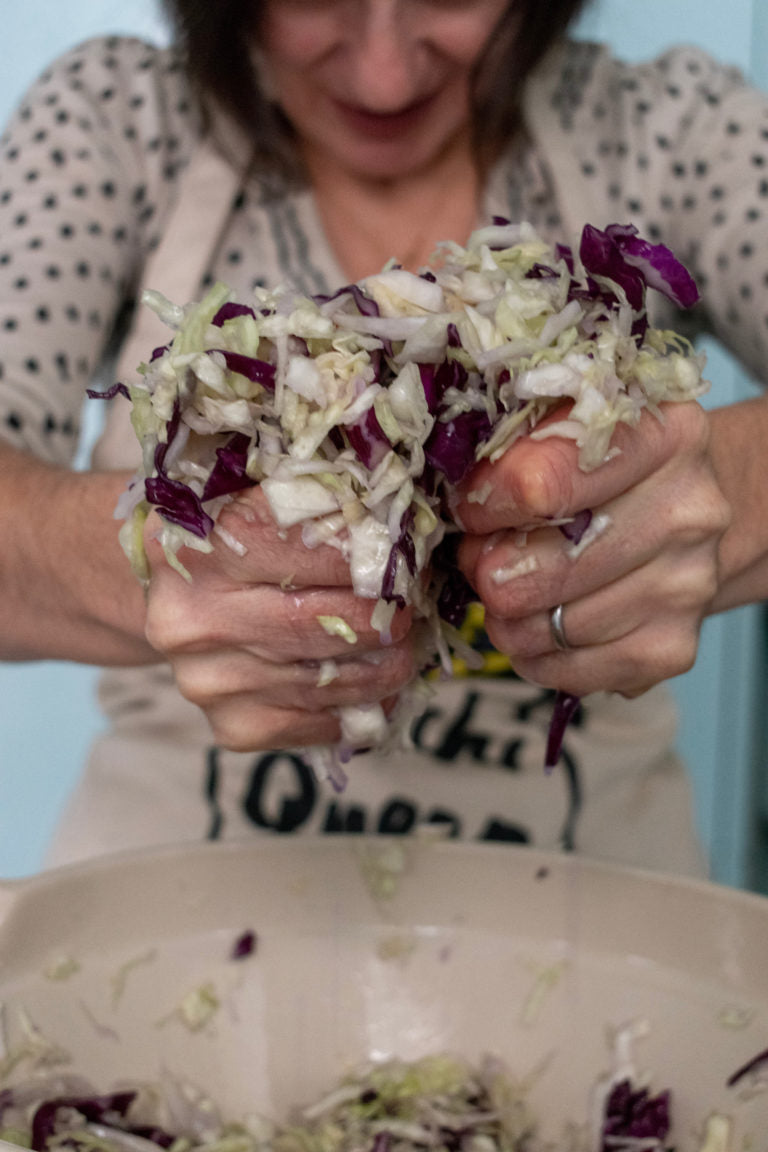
634	598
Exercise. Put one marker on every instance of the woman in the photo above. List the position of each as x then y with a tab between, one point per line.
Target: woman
311	140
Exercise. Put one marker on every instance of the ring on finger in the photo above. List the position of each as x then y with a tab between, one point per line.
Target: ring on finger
557	629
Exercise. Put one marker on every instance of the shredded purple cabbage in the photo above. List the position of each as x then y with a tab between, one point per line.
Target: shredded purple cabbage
542	272
229	474
109	1110
452	444
229	311
753	1065
109	393
563	711
364	304
176	502
171	430
437	378
259	371
575	528
634	1114
244	946
405	547
621	254
96	1109
566	704
455	597
368	439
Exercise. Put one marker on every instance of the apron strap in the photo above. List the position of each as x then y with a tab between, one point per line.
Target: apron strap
176	267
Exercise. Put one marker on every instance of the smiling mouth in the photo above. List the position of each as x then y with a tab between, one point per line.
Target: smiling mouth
383	125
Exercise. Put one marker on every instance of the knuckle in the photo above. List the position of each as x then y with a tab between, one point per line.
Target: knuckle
174	630
164	625
717	513
679	658
722	514
698	514
544	486
686	589
242	726
198	683
707	584
685	428
235	737
671	653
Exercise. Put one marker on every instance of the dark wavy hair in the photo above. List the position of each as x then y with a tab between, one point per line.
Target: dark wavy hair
216	38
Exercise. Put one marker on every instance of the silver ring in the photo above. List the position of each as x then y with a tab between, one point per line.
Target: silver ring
557	629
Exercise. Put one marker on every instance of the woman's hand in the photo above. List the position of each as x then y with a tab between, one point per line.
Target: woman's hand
245	639
634	598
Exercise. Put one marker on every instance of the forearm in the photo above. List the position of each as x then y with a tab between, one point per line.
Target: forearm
740	453
66	589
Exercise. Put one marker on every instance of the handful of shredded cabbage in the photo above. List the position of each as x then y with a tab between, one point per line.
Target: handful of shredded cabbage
359	414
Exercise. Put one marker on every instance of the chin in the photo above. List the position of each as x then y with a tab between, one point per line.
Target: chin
387	161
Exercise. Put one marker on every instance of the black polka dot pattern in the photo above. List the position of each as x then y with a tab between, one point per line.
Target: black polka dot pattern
77	218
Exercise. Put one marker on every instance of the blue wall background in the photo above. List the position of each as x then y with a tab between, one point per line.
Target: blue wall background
47	710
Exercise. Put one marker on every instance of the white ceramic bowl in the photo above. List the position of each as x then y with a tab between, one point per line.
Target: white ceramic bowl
475	949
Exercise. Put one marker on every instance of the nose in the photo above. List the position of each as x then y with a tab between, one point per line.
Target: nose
385	55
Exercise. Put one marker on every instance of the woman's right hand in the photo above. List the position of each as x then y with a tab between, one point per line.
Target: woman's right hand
245	641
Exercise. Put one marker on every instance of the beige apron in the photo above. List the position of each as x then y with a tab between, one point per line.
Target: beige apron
154	778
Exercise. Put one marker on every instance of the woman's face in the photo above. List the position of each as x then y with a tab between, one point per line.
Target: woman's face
380	87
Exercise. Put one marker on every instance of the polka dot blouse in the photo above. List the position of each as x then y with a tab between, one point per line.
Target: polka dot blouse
91	164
